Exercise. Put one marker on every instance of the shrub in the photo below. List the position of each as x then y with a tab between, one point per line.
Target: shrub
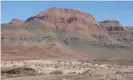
56	72
86	72
72	73
117	72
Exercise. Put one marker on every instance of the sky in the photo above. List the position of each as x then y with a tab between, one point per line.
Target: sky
101	10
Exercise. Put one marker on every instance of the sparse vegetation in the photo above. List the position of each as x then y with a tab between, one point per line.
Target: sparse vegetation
69	68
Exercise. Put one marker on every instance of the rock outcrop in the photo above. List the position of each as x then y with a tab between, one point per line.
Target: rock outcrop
71	20
111	25
118	32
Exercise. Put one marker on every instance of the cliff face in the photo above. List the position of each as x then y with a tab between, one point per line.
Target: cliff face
61	33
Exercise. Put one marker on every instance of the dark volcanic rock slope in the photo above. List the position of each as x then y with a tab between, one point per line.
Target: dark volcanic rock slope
60	33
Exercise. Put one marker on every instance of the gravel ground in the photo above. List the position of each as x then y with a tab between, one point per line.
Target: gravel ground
63	70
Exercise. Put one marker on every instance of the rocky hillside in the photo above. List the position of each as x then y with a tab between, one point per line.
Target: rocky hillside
118	32
61	33
71	20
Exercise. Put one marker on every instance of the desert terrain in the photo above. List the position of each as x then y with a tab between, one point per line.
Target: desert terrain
65	70
66	44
